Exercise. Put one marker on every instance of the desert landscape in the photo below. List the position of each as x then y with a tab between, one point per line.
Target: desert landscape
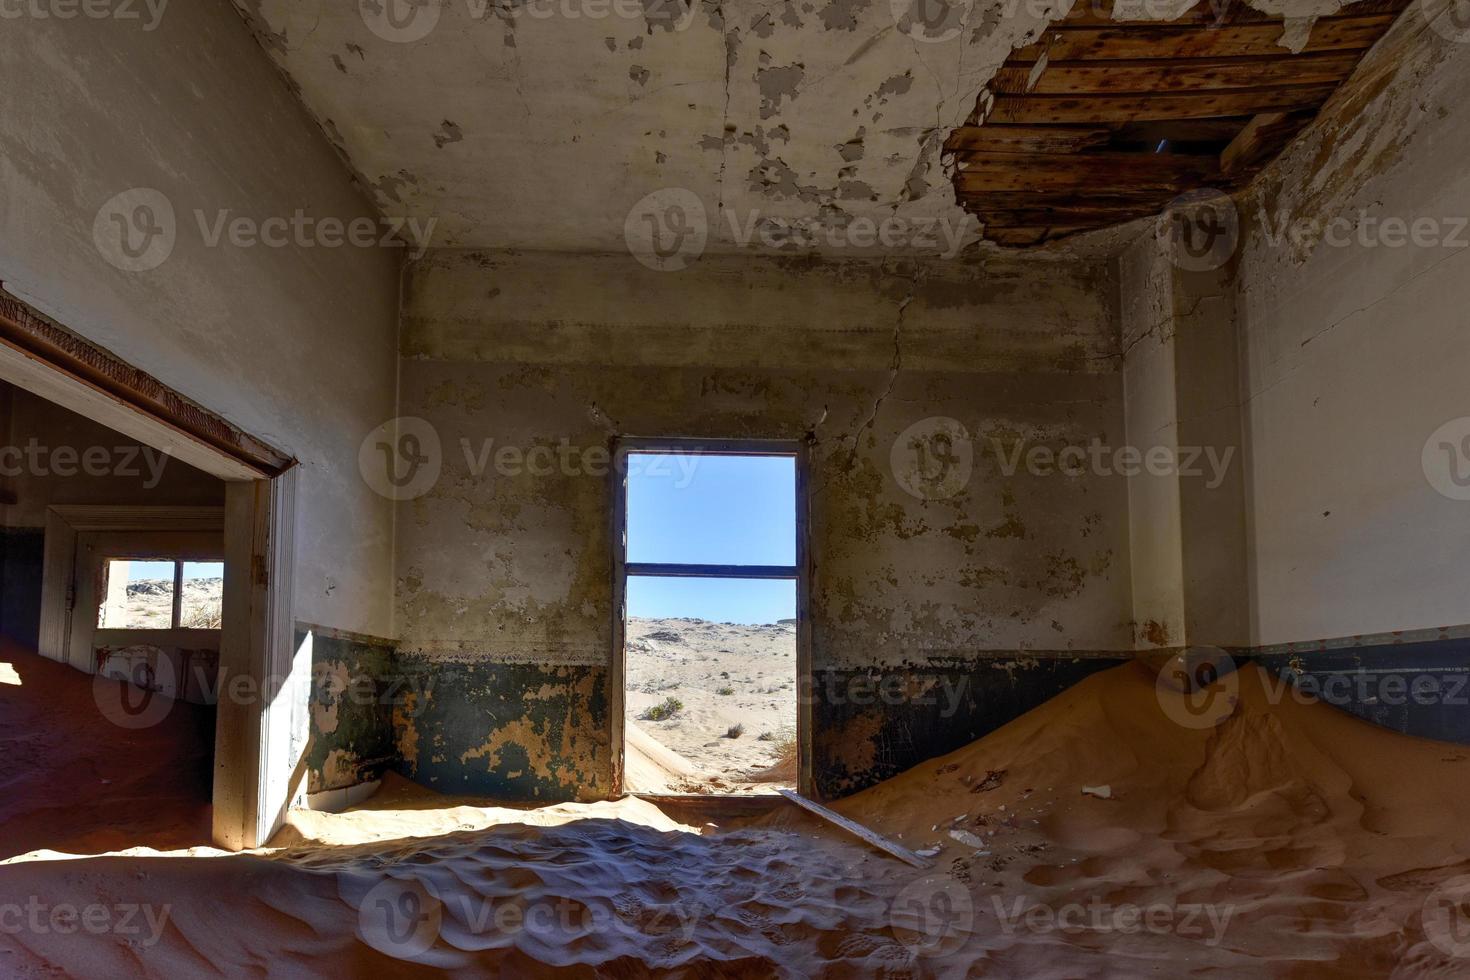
711	707
149	605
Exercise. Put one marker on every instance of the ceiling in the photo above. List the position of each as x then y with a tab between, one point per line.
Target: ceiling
1106	119
545	124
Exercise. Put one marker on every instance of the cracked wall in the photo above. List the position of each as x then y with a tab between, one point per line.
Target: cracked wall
1001	593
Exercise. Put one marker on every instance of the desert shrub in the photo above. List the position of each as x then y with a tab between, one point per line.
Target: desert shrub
664	710
726	690
735	731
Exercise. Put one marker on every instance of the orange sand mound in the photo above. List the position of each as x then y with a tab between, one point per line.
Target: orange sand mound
1314	839
1289	840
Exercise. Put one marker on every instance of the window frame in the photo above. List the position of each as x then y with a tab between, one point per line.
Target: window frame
177	613
626	446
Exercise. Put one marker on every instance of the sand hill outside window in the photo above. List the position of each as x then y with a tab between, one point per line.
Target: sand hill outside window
139	594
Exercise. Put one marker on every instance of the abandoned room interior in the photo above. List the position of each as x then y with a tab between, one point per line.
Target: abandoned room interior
734	488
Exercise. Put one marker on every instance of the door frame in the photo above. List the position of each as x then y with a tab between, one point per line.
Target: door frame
621	448
256	741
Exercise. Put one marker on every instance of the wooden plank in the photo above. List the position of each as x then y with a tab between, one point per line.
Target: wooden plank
1179	74
1039	109
1026	139
1061	43
1204	13
1260	141
1083	171
858	830
1077	215
1024	237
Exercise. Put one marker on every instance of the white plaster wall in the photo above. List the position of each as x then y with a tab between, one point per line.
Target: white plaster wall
294	345
1354	355
1155	531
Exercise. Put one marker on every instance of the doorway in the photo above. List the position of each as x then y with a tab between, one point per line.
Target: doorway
710	629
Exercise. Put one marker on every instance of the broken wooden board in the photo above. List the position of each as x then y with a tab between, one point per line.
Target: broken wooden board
1108	115
858	830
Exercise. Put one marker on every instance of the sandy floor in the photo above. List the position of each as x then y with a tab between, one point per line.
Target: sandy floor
1093	837
72	779
723	675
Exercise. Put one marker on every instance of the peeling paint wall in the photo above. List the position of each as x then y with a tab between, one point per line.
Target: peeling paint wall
356	686
1356	351
504	571
166	128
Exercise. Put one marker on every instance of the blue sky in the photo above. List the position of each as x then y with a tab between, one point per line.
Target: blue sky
726	510
144	571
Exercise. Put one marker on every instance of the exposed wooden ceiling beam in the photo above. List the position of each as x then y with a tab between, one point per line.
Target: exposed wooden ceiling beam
1178	74
1063	43
1206	13
1260	140
1139	172
1033	109
1026	139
